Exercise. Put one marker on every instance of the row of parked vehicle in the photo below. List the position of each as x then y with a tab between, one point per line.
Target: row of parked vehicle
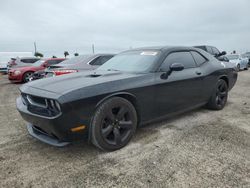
32	68
240	61
29	69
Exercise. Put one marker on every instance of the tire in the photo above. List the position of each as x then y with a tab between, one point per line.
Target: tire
113	124
219	97
238	67
27	76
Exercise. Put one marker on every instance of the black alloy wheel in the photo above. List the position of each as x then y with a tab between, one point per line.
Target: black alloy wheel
114	124
219	97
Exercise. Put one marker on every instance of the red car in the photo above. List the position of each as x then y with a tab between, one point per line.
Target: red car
23	74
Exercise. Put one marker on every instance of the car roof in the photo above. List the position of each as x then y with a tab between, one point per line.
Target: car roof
164	48
46	59
28	57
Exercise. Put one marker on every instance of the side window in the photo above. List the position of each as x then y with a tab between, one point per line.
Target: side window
104	59
95	61
209	50
25	60
53	62
184	58
199	59
100	60
33	60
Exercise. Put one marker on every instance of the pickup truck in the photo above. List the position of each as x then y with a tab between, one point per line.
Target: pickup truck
215	52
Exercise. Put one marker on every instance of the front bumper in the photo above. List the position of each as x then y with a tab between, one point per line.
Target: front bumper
14	78
42	136
53	130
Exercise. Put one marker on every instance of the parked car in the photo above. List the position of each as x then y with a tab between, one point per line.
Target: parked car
239	62
76	64
5	57
215	52
23	74
133	88
21	62
247	55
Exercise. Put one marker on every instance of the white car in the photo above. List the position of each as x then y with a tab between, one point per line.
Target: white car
240	63
5	57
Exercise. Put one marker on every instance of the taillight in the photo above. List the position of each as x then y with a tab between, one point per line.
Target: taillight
61	72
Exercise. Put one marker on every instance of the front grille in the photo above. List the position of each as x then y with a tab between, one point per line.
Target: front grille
41	106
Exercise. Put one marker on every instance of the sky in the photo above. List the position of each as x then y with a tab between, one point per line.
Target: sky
117	25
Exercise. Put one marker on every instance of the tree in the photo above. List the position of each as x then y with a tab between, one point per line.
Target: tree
66	53
54	56
38	54
76	54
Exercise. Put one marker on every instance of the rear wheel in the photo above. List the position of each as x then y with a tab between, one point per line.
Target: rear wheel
219	97
114	123
27	76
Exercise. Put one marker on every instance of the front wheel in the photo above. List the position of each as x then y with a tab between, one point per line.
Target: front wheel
219	97
238	67
114	123
27	76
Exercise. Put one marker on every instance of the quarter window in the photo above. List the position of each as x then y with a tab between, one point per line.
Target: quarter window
199	59
209	50
215	51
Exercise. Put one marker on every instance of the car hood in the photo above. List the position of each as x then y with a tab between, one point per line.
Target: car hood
84	81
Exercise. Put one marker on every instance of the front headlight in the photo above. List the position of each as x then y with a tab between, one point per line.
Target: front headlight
17	72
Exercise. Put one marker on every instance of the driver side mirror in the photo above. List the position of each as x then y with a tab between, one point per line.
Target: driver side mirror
176	67
223	53
173	67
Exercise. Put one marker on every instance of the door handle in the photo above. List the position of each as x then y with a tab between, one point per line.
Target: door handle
198	72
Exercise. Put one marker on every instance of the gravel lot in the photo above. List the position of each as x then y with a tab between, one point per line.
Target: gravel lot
201	148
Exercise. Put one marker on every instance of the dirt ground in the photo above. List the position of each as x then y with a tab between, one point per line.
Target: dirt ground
201	148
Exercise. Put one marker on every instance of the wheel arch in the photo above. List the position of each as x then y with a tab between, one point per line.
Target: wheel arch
225	78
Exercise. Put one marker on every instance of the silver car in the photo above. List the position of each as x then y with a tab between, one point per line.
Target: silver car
240	62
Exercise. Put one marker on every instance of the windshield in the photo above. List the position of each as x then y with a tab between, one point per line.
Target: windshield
233	57
133	61
78	59
38	63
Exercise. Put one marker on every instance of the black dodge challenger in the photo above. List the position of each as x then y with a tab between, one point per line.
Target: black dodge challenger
133	88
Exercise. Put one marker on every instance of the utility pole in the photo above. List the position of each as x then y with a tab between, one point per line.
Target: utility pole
93	48
35	46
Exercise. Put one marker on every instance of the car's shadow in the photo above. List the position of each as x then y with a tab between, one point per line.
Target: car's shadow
150	130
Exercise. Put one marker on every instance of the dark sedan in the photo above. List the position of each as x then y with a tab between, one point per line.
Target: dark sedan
133	88
75	64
